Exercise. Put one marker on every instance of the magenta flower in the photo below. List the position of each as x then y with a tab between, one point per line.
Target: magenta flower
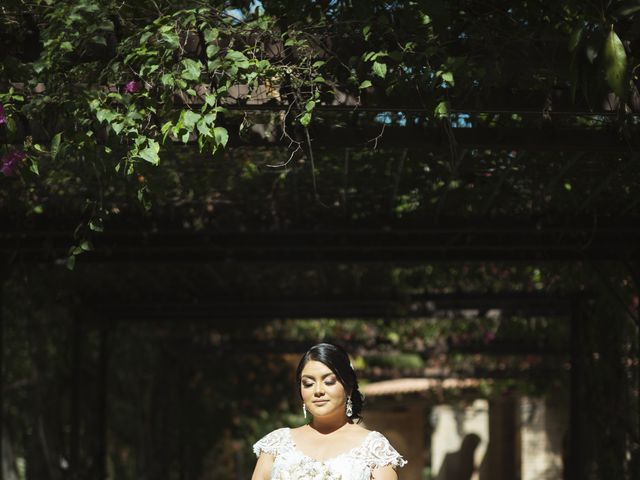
132	87
11	161
3	115
489	337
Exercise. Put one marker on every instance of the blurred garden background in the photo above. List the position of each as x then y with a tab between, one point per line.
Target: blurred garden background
194	193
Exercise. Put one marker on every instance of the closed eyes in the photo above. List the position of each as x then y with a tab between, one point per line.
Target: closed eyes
328	383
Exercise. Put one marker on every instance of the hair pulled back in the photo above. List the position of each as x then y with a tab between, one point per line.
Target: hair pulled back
337	360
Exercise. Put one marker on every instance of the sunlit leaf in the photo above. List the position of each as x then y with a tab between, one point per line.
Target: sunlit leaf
221	136
615	64
379	69
55	145
150	153
305	119
191	69
442	110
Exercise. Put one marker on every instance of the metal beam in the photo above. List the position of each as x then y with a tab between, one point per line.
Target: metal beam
212	309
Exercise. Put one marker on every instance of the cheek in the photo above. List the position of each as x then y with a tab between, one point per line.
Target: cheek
337	391
305	393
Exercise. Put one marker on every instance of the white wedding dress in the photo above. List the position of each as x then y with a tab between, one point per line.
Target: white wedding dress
357	464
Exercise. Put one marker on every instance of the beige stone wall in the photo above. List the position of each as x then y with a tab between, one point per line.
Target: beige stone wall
459	440
543	425
404	427
505	438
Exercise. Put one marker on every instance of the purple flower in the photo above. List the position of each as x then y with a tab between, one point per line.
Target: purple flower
3	115
11	161
132	87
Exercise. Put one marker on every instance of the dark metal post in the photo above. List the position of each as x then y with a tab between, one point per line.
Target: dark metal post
74	443
574	467
103	407
3	275
634	268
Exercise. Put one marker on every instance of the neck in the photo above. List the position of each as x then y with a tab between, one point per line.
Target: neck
327	425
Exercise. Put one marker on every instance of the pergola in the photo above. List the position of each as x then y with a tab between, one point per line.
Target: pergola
383	189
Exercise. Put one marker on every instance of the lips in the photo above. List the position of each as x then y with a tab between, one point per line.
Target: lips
320	402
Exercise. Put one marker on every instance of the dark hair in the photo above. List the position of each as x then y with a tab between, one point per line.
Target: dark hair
337	360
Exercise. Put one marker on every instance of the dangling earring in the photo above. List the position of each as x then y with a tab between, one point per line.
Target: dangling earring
349	406
304	410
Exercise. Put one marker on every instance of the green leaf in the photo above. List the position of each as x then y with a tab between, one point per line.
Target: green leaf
305	119
167	80
86	246
210	99
96	225
627	9
55	145
442	110
11	126
71	262
238	58
310	105
366	31
212	50
144	37
448	77
150	152
211	35
190	118
365	84
379	69
117	127
615	64
191	70
105	115
204	128
221	136
99	39
171	38
34	168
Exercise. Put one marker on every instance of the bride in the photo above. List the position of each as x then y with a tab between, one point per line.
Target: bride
332	446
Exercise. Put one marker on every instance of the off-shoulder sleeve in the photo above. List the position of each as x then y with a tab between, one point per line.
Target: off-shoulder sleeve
380	453
271	443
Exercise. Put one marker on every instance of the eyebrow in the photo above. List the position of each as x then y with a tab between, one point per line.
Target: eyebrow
323	377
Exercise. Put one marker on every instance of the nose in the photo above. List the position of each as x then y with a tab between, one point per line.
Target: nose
319	390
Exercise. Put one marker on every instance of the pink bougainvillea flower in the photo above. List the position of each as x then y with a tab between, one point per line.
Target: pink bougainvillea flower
489	337
3	115
132	87
10	162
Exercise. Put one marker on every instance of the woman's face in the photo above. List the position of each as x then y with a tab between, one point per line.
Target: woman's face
321	391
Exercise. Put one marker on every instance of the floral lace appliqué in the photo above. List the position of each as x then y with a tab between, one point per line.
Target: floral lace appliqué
356	464
306	470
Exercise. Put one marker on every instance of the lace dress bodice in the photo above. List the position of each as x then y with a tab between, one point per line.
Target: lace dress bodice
357	464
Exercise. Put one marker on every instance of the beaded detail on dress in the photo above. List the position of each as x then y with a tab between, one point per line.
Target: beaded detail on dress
357	464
